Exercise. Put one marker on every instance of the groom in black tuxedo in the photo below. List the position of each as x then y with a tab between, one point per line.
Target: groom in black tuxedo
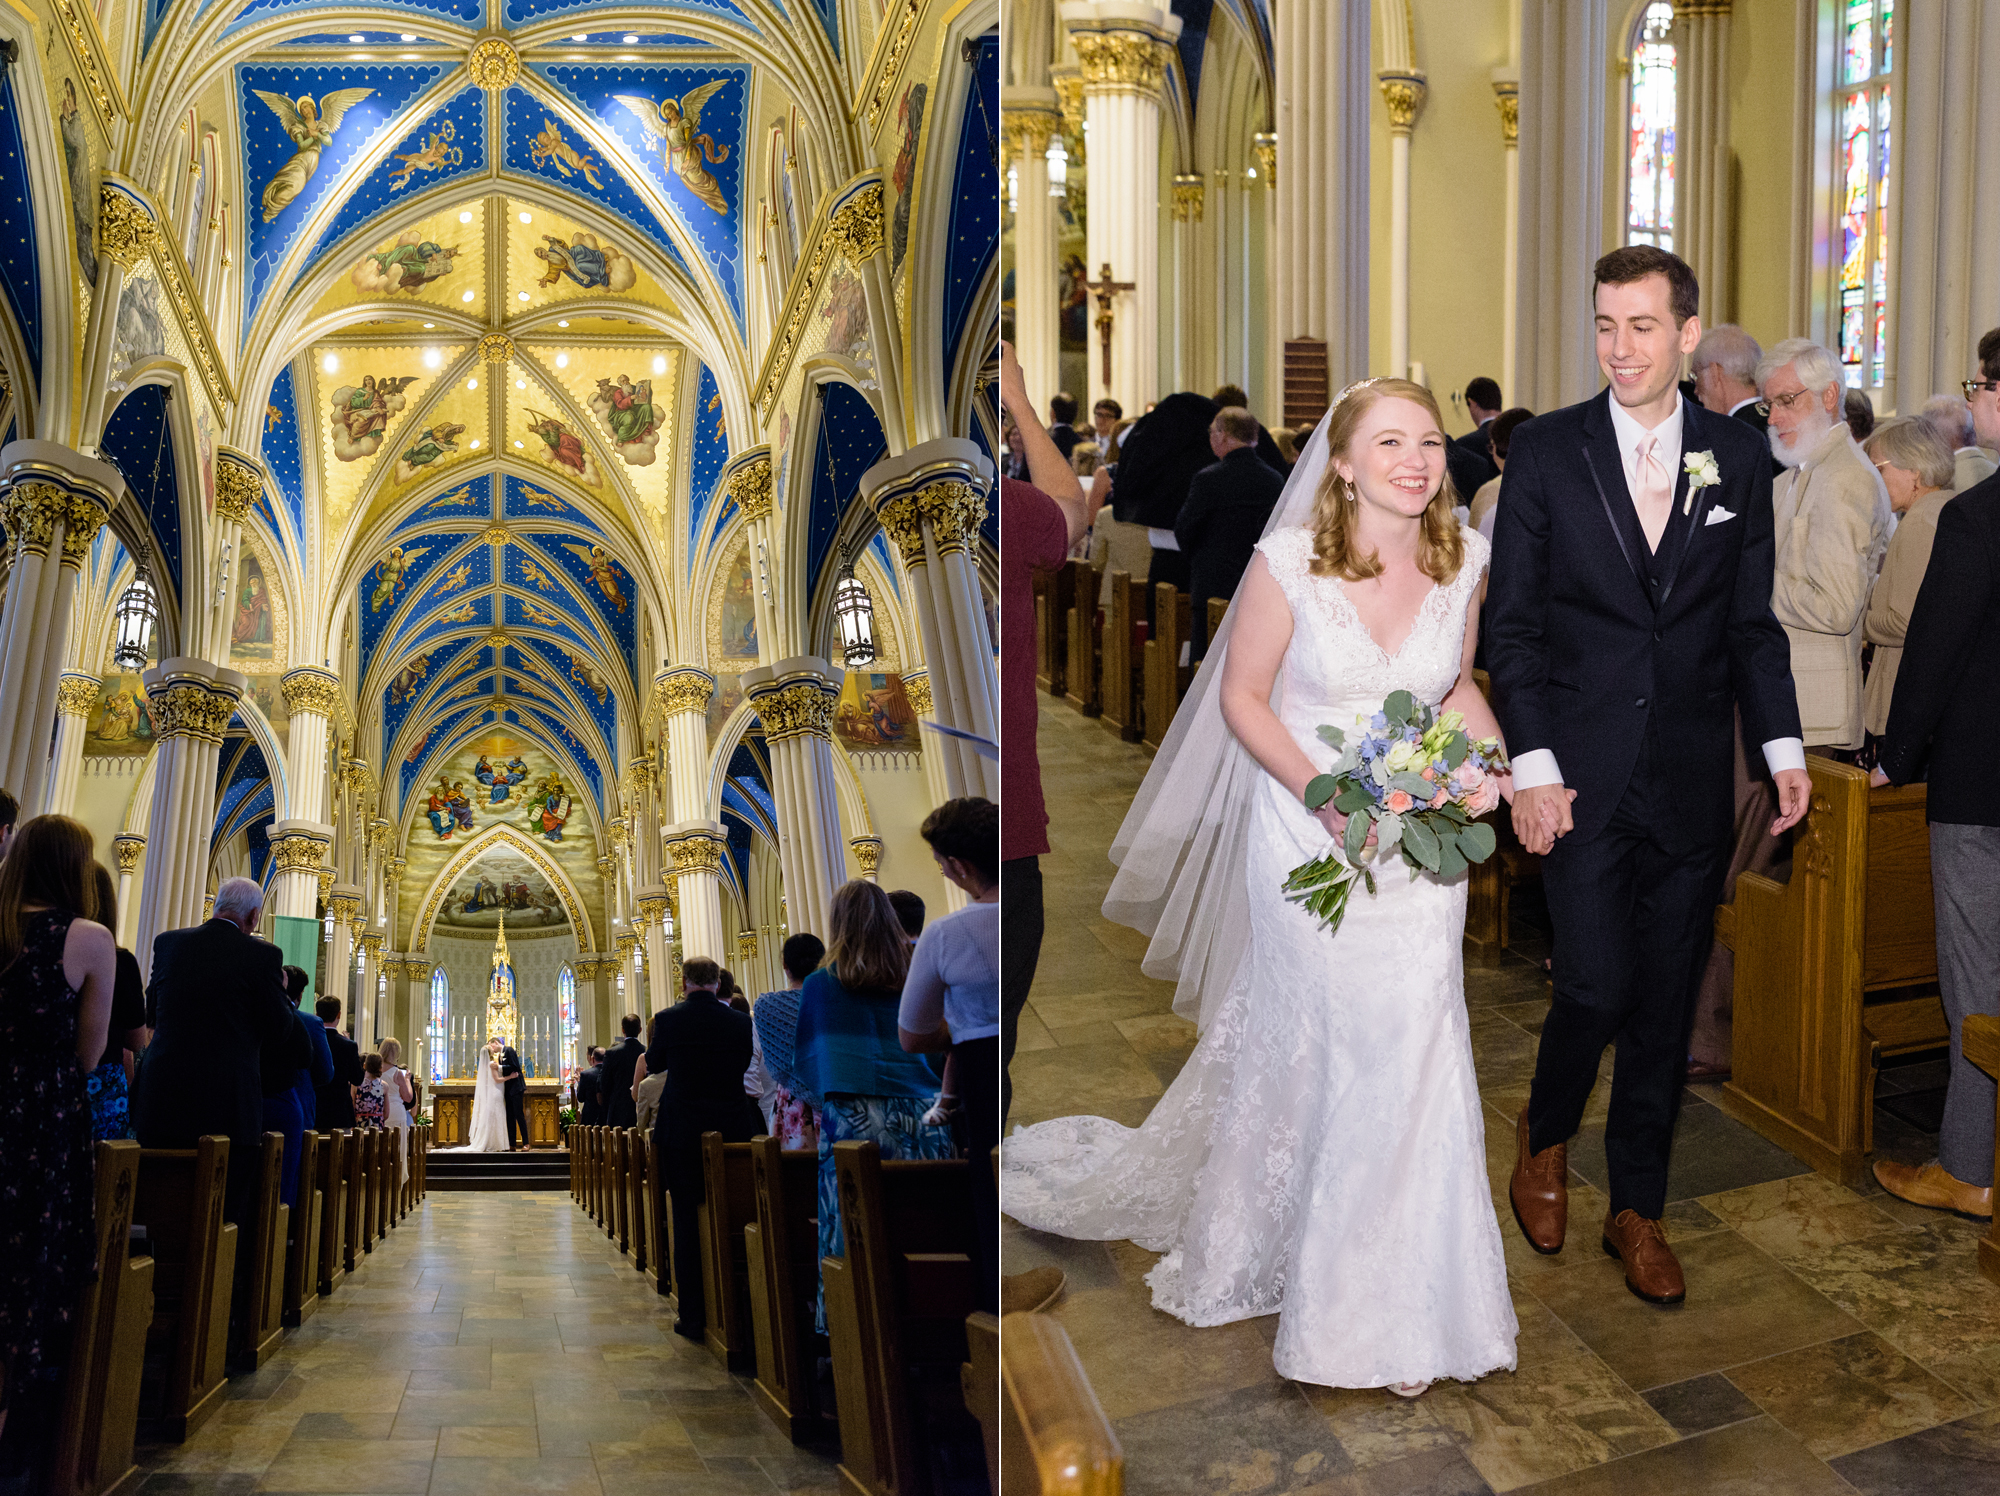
1628	618
514	1090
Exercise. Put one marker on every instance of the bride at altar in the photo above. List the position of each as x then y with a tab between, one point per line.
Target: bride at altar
488	1133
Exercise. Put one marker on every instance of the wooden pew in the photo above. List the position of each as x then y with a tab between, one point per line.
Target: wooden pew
659	1224
1979	1038
99	1413
614	1185
302	1251
782	1245
179	1202
263	1323
1118	689
331	1162
896	1305
1834	970
596	1156
1082	630
1054	596
1490	885
979	1380
1218	609
728	1204
1166	677
1053	1434
354	1239
392	1179
638	1180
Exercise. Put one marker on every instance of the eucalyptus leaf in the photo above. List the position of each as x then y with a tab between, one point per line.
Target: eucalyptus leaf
1354	797
1333	737
1416	786
1388	832
1399	707
1452	811
1450	862
1379	771
1420	842
1477	841
1357	836
1456	747
1319	789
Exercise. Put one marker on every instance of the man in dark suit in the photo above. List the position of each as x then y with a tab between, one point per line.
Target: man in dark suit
1062	423
1267	445
703	1047
590	1089
514	1092
333	1108
1228	504
614	1075
1157	461
1469	458
218	998
1725	378
1945	717
1628	614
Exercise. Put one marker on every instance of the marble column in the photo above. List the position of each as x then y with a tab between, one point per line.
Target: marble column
311	698
931	502
239	481
1943	198
191	702
298	852
943	773
1403	93
52	502
345	905
1123	49
1507	98
76	694
1703	232
370	990
1562	133
130	849
652	929
1031	120
392	895
1320	256
748	481
794	700
696	848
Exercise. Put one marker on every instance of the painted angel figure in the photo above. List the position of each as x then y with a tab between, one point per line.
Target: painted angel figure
602	571
677	124
311	128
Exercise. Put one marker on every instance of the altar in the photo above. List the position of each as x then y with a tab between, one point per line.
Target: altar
451	1112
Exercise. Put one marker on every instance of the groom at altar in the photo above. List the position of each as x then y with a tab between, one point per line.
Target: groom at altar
1629	617
514	1091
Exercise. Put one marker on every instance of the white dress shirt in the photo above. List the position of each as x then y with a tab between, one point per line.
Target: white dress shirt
1537	766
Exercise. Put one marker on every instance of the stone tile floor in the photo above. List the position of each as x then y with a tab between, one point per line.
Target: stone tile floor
494	1343
1833	1340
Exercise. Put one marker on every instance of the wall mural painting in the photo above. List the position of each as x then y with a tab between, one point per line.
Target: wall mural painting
592	263
501	883
739	610
846	316
204	440
549	808
82	182
499	784
548	148
874	713
631	416
311	127
581	672
407	682
722	702
603	571
910	119
141	326
410	264
433	443
251	631
689	152
267	691
361	413
560	446
438	153
390	572
121	723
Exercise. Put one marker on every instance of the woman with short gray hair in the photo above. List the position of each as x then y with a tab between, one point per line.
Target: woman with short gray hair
1916	467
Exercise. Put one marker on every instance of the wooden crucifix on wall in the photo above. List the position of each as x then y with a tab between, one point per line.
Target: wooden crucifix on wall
1106	288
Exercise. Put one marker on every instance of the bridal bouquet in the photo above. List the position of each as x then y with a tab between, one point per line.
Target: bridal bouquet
1414	779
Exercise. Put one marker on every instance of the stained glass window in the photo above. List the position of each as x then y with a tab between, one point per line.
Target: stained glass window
566	1018
1649	160
440	1025
1866	56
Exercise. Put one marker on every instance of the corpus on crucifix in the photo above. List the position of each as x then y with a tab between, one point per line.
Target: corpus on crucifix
1105	289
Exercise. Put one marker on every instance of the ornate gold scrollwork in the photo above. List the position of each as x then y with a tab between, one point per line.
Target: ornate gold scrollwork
750	486
124	231
76	694
310	690
297	853
684	691
494	63
857	227
795	711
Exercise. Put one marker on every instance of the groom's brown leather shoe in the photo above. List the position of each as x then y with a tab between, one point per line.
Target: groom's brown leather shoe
1651	1269
1932	1186
1540	1191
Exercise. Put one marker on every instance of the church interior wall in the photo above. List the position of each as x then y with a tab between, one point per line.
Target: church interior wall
1762	46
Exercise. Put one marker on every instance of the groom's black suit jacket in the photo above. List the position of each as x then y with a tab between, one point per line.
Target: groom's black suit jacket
1588	634
514	1083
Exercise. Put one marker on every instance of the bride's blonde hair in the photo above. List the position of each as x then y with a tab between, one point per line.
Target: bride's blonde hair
1440	546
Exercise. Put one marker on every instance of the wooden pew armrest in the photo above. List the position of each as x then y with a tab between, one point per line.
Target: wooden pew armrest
1979	1038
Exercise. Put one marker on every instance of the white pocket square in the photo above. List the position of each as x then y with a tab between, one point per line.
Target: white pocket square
1717	516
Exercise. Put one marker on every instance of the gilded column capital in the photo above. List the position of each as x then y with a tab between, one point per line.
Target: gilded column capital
190	708
856	229
1264	146
298	852
684	690
239	483
955	510
33	508
394	866
607	867
746	945
918	689
867	853
346	907
695	852
125	231
371	944
1507	99
653	909
797	709
1190	195
76	694
750	486
1029	128
1403	93
640	772
129	848
326	887
310	690
1121	61
903	522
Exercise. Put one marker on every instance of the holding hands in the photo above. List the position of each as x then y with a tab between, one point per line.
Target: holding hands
1542	815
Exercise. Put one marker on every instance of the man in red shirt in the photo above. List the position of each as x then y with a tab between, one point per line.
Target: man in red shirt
1039	521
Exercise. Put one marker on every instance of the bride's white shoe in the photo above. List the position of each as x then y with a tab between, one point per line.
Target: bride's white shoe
1409	1389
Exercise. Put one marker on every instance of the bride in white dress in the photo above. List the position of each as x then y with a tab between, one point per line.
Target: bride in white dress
489	1104
1321	1155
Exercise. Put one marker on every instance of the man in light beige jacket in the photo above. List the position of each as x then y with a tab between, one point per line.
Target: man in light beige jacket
1831	514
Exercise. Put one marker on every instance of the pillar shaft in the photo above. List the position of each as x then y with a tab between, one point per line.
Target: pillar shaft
1030	124
191	703
696	849
311	697
1507	98
298	852
1702	229
794	700
75	696
129	849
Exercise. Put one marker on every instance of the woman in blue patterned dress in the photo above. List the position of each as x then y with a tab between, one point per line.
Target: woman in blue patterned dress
110	1098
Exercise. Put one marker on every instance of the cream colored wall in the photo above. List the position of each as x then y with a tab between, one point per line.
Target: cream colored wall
898	801
1761	60
1457	205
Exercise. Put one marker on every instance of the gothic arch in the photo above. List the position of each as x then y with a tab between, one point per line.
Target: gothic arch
500	834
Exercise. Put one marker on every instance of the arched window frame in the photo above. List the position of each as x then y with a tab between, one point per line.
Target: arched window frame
567	1026
439	1029
1651	127
1862	101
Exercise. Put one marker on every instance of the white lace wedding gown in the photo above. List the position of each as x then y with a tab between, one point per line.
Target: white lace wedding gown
1321	1155
488	1133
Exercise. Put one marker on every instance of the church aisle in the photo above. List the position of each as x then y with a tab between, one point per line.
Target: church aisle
495	1342
1832	1341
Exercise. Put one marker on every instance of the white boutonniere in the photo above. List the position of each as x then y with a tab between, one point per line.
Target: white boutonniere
1702	473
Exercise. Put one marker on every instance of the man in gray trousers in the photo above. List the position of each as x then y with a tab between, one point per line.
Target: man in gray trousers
1945	718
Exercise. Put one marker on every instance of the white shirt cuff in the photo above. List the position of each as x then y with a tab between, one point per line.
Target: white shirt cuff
1534	768
1779	753
1162	540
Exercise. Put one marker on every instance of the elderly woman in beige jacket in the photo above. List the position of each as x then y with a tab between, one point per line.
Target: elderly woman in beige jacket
1917	468
1831	520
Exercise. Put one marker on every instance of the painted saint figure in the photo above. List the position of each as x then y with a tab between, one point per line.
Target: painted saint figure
603	571
311	128
676	123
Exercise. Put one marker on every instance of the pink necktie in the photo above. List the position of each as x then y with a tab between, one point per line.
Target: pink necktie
1654	497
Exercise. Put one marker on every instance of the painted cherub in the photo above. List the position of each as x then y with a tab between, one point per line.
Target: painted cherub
548	148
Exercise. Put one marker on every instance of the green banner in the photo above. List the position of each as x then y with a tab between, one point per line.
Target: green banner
299	939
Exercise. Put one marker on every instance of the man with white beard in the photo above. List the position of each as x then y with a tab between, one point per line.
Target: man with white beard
1832	525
